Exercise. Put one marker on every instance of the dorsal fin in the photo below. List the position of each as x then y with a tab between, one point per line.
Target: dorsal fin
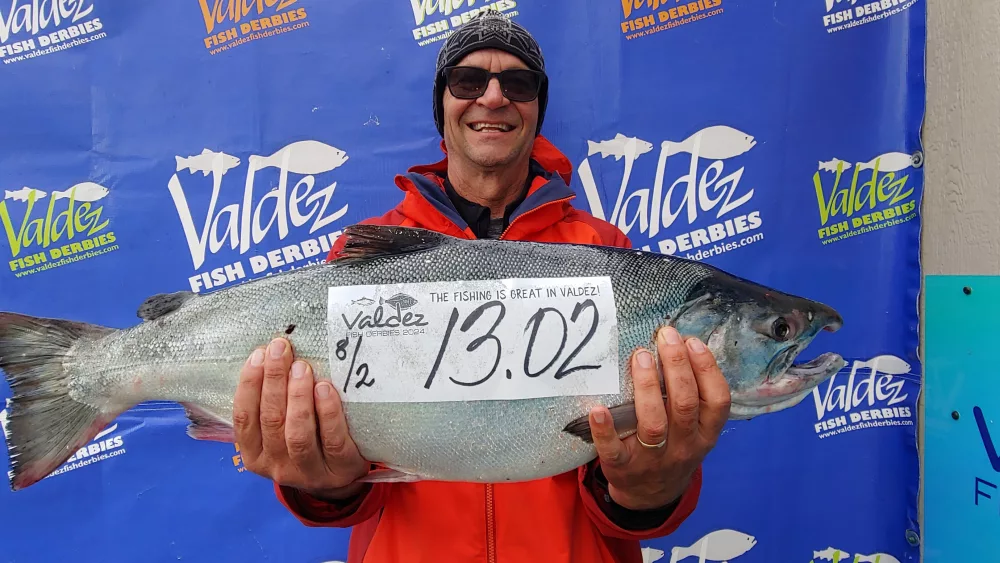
364	242
162	303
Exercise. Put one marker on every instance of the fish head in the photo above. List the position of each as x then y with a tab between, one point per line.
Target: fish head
755	334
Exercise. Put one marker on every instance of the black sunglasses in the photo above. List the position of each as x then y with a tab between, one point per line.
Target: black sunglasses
517	84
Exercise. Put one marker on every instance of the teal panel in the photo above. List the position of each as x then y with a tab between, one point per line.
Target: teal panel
962	409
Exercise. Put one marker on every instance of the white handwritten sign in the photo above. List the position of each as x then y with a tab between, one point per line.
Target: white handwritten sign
474	340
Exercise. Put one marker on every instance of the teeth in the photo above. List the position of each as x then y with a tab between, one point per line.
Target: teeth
492	127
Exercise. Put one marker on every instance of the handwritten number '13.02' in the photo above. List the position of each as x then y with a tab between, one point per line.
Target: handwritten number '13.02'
535	320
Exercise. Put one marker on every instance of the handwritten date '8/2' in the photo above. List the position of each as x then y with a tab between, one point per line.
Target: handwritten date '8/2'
554	361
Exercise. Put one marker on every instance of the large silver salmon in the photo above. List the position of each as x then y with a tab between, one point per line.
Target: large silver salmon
70	379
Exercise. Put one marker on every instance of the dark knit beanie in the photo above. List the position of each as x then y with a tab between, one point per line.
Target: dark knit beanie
489	29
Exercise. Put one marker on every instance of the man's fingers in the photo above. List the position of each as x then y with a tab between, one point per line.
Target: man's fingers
682	388
246	407
300	421
335	439
713	388
610	449
649	408
273	400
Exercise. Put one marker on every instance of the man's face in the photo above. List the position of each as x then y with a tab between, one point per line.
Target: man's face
464	119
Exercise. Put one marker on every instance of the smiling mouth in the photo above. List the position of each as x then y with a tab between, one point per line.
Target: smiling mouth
487	127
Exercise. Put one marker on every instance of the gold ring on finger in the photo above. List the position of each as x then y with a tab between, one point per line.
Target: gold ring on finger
651	446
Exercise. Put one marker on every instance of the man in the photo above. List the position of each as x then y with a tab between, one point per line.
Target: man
500	179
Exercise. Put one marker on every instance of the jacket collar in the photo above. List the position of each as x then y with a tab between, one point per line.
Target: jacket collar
426	201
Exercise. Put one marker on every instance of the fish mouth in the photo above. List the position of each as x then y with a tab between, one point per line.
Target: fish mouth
787	389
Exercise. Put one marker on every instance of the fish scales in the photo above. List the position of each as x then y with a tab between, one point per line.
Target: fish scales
189	356
70	379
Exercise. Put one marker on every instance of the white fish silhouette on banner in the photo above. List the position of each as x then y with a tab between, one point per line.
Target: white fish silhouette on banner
105	432
831	554
84	191
302	157
205	162
717	142
829	3
886	364
876	558
721	545
651	554
831	165
23	194
620	146
890	162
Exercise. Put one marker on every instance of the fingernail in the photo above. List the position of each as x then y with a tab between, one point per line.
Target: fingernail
644	358
257	357
599	416
696	346
277	348
671	336
298	370
323	390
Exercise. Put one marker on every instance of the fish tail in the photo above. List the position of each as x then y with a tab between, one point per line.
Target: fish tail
46	425
623	416
592	148
180	163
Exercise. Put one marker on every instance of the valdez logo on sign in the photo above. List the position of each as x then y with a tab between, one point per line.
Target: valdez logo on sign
34	29
883	200
703	190
436	20
233	217
230	23
873	395
646	17
845	14
68	228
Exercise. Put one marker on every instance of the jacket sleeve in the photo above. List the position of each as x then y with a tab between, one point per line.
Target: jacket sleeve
616	521
316	512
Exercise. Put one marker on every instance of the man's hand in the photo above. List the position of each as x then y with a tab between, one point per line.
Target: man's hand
688	424
292	430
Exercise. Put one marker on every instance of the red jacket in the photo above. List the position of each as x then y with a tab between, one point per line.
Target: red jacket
555	520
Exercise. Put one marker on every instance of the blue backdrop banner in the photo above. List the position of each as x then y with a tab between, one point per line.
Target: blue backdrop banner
777	140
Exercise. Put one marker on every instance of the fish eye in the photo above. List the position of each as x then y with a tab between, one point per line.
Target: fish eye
780	329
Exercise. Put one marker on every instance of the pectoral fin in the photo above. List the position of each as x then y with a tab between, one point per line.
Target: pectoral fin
387	475
623	416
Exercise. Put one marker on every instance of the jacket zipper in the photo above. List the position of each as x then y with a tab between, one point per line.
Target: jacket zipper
529	212
491	540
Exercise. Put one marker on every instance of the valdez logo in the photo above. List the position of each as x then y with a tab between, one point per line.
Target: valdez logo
864	401
240	223
35	28
663	16
382	323
45	231
845	14
430	30
702	190
880	202
241	22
